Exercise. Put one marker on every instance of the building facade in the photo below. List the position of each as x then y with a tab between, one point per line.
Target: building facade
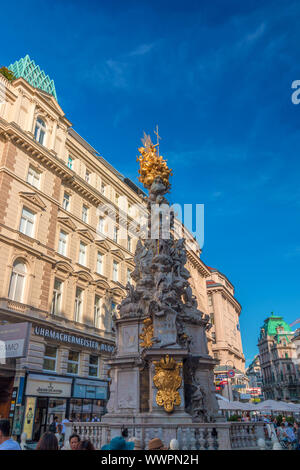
277	354
224	337
68	224
67	239
254	375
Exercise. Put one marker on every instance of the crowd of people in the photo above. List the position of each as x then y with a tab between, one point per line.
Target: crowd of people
53	440
287	433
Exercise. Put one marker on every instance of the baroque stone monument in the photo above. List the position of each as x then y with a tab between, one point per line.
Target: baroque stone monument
161	371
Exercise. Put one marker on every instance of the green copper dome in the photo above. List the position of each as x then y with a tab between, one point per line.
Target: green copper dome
272	323
27	69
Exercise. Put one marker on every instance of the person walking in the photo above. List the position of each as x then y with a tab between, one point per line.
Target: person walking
85	445
291	438
74	441
59	435
48	441
156	444
174	444
118	443
6	443
53	425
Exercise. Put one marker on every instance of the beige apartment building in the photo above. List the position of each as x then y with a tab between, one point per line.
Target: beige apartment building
65	262
224	337
67	243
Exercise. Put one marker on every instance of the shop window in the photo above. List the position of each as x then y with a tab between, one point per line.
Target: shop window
115	271
82	254
17	281
62	243
85	211
50	359
27	222
78	304
93	366
40	131
97	311
33	177
66	201
73	362
99	263
56	299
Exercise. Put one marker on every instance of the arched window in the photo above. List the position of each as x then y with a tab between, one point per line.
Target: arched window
40	131
17	281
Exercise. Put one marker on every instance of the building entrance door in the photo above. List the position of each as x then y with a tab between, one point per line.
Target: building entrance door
40	419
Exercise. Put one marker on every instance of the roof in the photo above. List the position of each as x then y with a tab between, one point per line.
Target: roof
272	323
32	73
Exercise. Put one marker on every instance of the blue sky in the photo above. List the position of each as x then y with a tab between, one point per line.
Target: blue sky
216	76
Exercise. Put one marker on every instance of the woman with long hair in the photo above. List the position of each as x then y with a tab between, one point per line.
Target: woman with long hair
48	441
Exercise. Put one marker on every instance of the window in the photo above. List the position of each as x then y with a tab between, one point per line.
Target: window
17	281
40	131
33	177
97	311
101	225
212	319
129	244
99	262
115	271
82	254
128	276
210	304
62	243
56	299
87	176
85	210
116	234
73	362
78	305
27	222
70	163
66	201
50	359
93	366
117	198
102	188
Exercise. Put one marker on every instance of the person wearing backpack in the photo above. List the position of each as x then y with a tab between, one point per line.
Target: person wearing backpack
53	425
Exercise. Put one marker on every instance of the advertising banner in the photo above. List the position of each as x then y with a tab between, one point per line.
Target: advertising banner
14	339
29	416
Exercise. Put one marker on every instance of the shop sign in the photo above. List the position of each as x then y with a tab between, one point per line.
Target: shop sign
48	386
90	389
72	339
29	416
14	340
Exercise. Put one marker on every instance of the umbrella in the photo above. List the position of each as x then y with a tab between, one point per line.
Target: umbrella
228	405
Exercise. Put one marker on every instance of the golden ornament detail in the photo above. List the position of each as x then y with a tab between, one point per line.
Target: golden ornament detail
152	164
147	333
167	379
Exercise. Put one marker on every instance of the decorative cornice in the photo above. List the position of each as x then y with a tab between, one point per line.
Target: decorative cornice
33	198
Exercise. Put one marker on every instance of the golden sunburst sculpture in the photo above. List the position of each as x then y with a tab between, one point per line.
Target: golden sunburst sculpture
151	163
